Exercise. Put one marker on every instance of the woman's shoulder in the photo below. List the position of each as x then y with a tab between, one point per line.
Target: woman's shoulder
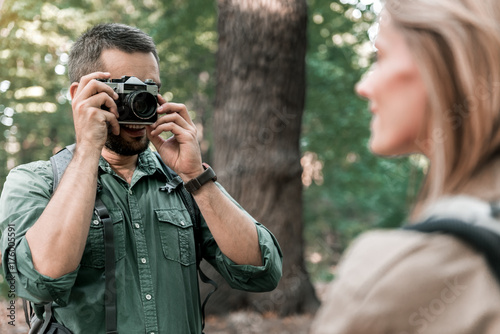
396	281
381	254
387	248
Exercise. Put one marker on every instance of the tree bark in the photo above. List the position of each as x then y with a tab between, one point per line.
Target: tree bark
257	123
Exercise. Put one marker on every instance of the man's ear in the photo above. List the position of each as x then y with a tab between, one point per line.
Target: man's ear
72	89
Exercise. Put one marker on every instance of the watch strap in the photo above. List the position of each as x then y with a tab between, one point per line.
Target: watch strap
196	183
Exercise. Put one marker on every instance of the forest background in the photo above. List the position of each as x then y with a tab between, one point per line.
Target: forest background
345	189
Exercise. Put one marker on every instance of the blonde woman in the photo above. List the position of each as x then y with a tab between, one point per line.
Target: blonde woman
434	90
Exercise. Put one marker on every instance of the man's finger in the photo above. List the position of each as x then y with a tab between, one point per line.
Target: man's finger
112	123
89	86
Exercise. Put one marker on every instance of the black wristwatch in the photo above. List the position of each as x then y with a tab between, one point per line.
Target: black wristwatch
196	183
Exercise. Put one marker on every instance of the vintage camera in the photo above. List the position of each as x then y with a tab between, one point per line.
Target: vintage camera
137	101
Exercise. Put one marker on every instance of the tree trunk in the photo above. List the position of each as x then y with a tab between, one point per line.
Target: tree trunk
257	122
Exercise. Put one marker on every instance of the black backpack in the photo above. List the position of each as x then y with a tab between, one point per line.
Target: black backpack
59	163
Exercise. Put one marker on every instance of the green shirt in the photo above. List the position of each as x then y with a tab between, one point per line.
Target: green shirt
156	276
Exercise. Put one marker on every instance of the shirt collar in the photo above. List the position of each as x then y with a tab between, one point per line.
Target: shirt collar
147	164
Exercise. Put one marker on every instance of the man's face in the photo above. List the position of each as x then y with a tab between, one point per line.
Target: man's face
132	139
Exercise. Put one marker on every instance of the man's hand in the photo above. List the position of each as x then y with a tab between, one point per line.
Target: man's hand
91	122
181	152
233	230
58	238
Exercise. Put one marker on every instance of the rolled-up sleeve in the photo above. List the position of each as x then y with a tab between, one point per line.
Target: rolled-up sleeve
254	278
25	195
247	277
31	284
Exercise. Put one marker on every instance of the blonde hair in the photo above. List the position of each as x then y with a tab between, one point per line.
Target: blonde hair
456	44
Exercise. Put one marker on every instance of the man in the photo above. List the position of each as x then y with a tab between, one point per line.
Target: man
59	243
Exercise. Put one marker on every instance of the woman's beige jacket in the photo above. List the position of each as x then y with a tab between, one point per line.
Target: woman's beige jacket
403	282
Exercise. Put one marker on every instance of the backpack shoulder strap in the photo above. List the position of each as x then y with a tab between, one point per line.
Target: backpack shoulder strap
174	182
59	162
482	239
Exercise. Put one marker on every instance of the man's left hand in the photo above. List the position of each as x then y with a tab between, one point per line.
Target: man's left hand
181	152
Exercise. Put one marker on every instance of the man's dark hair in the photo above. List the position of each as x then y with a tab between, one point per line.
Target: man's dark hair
84	57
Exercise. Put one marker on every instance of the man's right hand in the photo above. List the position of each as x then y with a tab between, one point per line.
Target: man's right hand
91	121
58	238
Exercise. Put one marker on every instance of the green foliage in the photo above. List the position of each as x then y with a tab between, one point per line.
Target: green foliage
35	38
357	191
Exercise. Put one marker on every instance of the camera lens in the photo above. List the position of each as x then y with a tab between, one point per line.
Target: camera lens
142	104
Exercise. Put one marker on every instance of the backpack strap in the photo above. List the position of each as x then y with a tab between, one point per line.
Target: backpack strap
47	318
60	162
482	239
189	202
29	312
109	266
174	183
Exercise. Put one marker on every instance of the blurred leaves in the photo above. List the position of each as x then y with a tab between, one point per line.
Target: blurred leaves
35	38
357	190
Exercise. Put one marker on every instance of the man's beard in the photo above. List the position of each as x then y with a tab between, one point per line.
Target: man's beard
128	148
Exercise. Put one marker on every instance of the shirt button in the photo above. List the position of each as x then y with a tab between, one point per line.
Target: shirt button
183	223
148	297
137	225
143	260
95	222
130	191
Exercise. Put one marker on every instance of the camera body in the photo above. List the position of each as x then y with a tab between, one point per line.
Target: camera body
137	101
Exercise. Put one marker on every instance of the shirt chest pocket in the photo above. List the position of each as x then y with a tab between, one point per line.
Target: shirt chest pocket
176	234
93	255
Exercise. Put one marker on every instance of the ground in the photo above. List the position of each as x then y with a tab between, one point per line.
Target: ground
235	323
241	322
253	323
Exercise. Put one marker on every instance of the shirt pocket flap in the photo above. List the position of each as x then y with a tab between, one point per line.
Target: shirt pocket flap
116	215
179	218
